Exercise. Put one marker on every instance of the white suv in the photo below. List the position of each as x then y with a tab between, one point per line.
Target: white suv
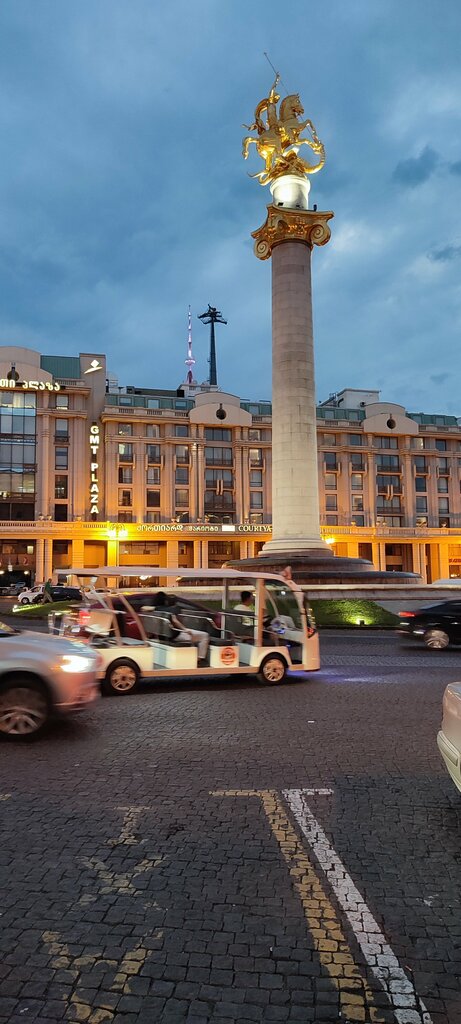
31	595
41	676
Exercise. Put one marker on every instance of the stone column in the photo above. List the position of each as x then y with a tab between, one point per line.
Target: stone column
48	561
289	236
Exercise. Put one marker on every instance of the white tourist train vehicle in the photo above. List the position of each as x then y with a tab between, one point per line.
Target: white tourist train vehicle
186	631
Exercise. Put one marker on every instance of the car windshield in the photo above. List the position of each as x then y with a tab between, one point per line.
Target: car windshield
7	630
285	602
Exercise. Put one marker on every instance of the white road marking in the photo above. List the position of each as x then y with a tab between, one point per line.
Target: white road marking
127	835
5	796
384	965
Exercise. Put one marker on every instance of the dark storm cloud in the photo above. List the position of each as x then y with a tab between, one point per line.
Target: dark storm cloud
123	195
446	254
416	170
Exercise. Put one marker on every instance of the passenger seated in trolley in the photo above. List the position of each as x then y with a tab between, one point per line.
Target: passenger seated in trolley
246	608
194	636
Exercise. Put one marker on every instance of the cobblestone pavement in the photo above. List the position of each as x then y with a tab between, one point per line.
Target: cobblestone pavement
224	853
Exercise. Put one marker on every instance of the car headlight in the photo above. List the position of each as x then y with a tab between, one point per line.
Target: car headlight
77	663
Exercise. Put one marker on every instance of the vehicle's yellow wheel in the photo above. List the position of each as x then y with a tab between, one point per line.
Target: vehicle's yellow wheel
272	670
122	677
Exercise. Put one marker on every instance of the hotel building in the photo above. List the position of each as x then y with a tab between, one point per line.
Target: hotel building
95	474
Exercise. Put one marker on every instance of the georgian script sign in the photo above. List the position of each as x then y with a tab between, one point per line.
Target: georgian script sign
28	385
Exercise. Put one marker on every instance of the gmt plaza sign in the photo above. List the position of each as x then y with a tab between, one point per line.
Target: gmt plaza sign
95	441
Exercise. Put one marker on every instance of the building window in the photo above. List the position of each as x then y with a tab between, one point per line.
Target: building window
256	499
125	517
153	452
356	481
420	483
61	430
256	518
60	513
442	465
357	502
153	499
388	504
153	475
181	475
355	440
441	445
331	502
256	478
181	430
418	442
219	476
385	442
387	483
420	463
254	435
124	499
329	459
61	458
218	456
421	505
62	401
387	462
181	498
217	434
330	481
182	455
152	430
152	517
125	400
329	439
442	485
331	520
256	457
444	505
358	520
125	429
357	463
125	452
60	487
125	474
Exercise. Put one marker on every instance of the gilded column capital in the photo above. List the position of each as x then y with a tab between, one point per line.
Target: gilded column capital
286	225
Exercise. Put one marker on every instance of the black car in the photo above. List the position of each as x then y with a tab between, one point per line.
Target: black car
437	626
66	594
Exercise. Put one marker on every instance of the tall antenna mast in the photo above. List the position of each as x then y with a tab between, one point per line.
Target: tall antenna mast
190	361
212	316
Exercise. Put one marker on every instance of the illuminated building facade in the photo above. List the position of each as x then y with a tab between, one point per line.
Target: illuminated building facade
94	474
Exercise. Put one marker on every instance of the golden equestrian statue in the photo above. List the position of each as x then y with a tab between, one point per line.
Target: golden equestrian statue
278	137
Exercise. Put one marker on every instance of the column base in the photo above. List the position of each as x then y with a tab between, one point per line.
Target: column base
314	565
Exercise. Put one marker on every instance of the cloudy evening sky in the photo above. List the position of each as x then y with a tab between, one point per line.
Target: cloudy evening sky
123	195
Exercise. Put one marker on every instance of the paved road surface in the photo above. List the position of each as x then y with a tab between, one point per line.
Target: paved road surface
230	853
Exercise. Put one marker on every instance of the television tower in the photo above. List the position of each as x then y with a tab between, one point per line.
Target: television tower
190	361
212	316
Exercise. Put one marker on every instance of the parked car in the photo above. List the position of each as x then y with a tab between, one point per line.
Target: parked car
436	626
42	676
34	595
449	737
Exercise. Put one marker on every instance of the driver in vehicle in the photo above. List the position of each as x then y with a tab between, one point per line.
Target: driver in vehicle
185	633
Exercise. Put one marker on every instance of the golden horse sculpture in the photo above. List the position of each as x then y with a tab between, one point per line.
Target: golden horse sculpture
278	138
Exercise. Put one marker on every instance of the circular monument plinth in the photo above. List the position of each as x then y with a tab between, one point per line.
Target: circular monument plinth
318	566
